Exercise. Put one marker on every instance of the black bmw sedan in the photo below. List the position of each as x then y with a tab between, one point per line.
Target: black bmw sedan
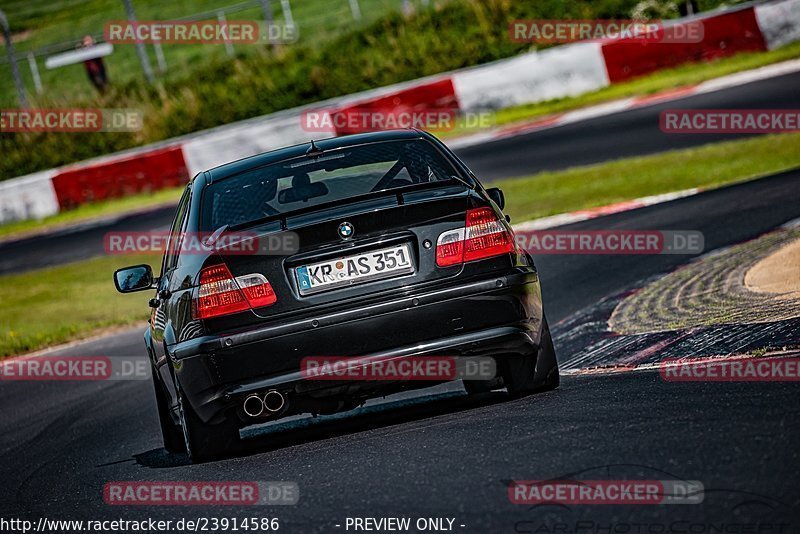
372	247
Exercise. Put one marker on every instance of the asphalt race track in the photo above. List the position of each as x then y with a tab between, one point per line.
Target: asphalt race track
440	454
630	133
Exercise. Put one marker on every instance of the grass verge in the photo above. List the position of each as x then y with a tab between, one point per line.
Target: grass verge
73	301
54	305
708	166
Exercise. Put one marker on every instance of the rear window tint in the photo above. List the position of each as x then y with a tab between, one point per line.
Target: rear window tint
338	174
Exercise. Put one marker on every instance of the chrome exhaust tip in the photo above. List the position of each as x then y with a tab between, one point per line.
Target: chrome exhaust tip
274	401
253	406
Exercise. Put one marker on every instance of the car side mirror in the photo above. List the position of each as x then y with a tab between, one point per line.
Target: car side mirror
496	194
136	278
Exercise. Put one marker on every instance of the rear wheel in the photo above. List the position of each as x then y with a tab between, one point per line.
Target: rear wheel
526	375
170	432
205	442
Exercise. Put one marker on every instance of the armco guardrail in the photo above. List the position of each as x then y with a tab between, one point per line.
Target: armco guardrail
556	72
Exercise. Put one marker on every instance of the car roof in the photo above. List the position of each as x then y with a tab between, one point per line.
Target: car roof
273	156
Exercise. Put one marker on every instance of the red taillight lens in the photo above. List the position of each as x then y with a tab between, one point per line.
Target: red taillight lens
220	294
450	248
257	290
486	236
483	237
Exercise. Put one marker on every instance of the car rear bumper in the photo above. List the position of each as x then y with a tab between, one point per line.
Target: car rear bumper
501	315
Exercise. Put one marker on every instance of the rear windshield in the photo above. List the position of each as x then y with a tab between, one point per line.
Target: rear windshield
338	174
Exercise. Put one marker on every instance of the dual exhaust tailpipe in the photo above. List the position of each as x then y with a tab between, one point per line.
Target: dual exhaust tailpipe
271	402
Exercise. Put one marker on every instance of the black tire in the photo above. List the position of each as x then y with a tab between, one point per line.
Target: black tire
526	375
206	442
171	433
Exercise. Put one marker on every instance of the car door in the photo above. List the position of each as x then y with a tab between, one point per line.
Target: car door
160	314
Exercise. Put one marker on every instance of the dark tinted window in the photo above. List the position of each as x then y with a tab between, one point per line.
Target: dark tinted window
176	233
304	181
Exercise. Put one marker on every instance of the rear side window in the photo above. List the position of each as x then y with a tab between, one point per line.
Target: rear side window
176	232
338	174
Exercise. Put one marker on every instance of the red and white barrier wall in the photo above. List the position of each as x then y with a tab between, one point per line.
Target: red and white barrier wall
557	72
119	177
779	22
28	197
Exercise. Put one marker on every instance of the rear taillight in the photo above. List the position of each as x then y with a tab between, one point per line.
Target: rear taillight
257	290
220	293
450	248
484	236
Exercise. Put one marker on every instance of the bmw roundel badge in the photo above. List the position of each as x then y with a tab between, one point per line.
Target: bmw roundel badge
346	230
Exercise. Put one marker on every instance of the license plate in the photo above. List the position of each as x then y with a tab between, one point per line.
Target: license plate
356	269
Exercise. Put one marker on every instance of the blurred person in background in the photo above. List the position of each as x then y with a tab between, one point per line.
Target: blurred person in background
95	68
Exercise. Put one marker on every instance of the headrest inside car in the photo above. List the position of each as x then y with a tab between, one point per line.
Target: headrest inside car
302	190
